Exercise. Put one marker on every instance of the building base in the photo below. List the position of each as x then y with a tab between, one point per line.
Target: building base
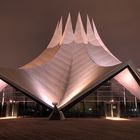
56	114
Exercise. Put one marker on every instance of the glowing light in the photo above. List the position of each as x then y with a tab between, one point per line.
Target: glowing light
3	118
112	100
10	101
117	119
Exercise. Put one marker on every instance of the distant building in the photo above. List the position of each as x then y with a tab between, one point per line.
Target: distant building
76	71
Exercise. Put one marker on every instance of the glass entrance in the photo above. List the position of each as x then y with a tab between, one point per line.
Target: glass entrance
112	109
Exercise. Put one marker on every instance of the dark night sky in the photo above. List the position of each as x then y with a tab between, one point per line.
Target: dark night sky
26	26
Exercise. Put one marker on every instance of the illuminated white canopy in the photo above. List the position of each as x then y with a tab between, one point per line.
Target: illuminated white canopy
73	63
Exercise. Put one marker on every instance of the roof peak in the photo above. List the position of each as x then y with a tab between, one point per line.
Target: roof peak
69	35
68	32
79	35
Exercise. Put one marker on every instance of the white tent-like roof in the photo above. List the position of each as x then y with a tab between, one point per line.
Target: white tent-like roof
73	63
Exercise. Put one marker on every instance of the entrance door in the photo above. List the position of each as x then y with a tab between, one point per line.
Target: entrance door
112	109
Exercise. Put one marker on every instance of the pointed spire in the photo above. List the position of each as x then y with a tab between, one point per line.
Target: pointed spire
79	34
98	37
101	42
57	35
90	34
68	35
60	26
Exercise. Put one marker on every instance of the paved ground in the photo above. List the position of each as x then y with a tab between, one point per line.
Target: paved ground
69	129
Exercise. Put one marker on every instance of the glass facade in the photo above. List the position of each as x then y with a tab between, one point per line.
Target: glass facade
109	100
14	103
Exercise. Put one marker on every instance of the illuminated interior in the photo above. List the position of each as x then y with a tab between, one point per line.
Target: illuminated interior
14	103
110	101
